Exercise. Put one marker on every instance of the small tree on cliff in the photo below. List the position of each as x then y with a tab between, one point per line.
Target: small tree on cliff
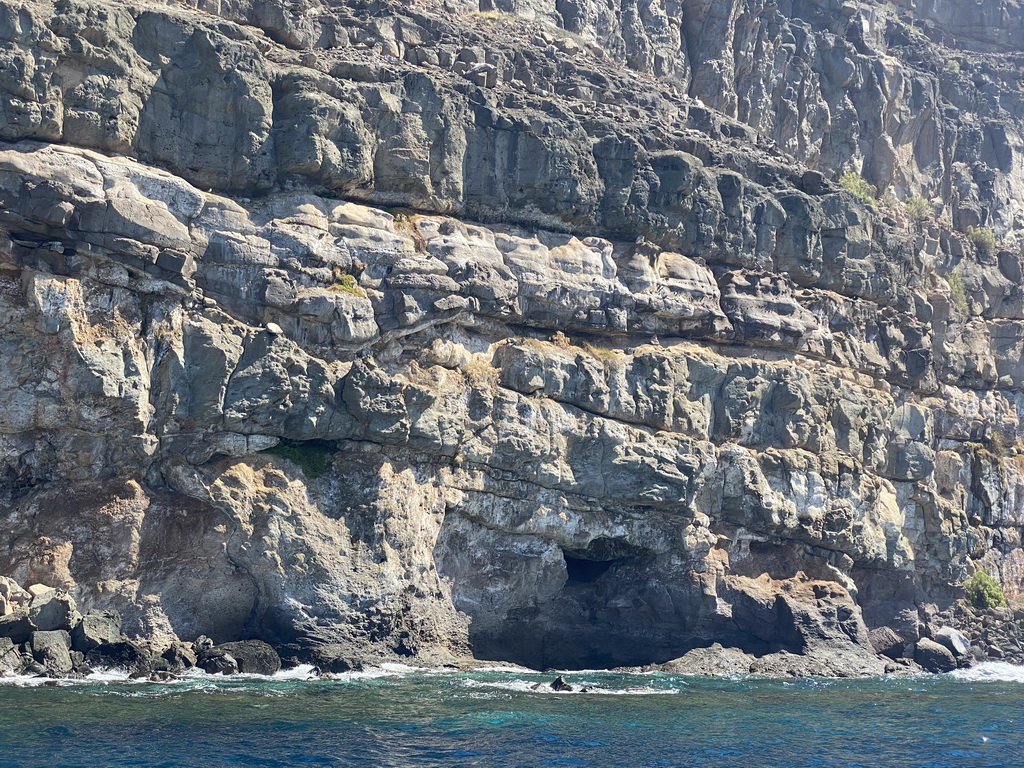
983	591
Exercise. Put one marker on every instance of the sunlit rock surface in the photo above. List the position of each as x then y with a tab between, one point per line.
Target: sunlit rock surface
533	332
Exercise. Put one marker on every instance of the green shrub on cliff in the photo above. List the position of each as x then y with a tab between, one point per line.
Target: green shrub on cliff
957	291
918	208
984	239
345	283
853	182
983	591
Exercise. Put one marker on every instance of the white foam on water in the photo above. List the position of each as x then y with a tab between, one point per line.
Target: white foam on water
531	686
103	676
109	676
191	679
507	668
991	671
301	672
25	681
386	670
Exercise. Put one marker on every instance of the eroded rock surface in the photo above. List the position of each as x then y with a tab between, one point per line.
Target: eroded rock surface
628	374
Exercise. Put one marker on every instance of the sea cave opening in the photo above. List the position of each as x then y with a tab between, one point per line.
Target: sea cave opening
582	571
585	566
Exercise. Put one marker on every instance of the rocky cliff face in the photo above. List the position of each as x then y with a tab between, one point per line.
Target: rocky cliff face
537	332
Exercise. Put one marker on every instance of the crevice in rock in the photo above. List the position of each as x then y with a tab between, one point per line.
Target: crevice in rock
582	571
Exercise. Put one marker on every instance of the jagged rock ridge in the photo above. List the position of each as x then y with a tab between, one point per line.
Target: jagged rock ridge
627	374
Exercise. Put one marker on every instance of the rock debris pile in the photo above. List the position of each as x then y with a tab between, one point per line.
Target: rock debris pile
42	634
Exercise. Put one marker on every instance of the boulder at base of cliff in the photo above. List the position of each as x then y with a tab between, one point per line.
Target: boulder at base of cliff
716	661
180	656
933	657
954	641
54	610
332	658
13	596
216	661
96	628
886	642
124	654
254	657
52	649
10	657
17	627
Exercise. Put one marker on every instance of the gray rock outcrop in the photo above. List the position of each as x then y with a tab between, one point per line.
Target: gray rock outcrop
54	610
94	629
52	649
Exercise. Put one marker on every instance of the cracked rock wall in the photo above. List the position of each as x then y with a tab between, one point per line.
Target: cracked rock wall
538	333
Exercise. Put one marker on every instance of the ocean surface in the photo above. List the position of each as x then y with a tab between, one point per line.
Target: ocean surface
398	717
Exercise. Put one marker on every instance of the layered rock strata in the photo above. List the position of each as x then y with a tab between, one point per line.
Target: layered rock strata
627	374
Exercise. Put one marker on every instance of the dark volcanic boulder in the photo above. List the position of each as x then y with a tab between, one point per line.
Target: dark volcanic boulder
180	656
559	684
886	642
326	657
124	654
52	649
17	627
253	656
96	628
217	661
933	657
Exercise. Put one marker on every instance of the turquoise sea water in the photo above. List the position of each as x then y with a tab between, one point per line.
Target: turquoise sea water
400	718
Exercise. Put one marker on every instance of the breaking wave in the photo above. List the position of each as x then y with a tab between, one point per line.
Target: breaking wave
991	672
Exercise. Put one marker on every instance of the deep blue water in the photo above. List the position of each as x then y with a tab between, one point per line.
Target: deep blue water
493	719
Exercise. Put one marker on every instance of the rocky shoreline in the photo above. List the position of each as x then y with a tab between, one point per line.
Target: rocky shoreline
42	634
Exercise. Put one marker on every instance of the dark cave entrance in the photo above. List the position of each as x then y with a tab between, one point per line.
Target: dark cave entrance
582	571
586	566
